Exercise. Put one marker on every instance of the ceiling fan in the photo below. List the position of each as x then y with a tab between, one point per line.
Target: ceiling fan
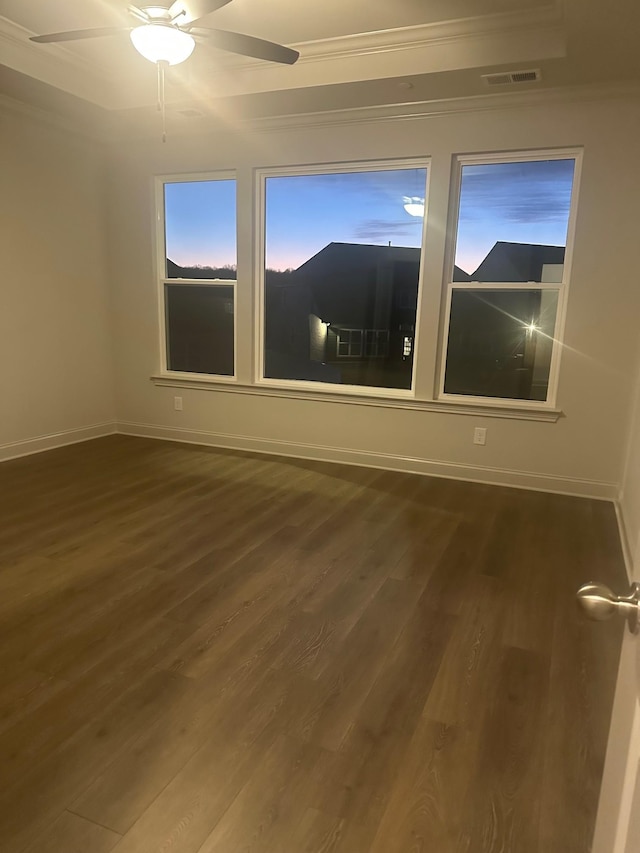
166	34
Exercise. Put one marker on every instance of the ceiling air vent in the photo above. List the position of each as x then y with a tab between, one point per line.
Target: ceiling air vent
508	78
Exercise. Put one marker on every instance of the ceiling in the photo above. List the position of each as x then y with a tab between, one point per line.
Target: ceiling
354	53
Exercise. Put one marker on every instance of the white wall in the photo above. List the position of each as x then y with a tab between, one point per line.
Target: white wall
55	350
582	452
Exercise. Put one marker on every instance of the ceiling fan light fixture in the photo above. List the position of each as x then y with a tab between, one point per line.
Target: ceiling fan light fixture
162	43
414	205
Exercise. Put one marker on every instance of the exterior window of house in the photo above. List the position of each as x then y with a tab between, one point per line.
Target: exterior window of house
198	275
342	261
349	343
507	291
356	343
376	343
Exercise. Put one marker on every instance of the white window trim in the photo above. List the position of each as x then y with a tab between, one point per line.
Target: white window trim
160	255
260	258
562	287
350	397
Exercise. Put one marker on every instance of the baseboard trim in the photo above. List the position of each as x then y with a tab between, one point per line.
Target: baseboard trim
28	446
430	467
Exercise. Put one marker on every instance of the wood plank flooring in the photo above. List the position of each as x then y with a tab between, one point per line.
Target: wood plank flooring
214	652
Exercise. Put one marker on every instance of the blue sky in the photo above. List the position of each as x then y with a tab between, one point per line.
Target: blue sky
519	202
200	223
306	212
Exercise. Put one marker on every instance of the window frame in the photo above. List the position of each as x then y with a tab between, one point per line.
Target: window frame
366	343
260	189
562	287
162	280
348	342
430	338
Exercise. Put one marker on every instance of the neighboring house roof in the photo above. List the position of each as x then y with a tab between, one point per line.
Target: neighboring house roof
345	280
460	275
516	262
173	270
339	255
359	254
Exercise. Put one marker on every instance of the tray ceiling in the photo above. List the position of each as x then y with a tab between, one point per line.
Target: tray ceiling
353	52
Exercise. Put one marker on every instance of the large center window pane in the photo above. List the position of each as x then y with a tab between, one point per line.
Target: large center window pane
342	262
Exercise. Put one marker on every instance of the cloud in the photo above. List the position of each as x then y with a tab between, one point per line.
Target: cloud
530	192
383	230
538	204
376	186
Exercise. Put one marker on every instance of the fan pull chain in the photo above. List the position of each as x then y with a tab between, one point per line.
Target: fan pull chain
161	99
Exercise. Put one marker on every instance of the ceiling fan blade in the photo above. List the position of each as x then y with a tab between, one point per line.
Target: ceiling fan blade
188	11
75	35
250	46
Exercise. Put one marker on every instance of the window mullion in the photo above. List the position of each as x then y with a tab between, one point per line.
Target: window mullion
246	316
430	292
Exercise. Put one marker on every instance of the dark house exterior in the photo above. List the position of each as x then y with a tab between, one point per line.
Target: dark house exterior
348	315
200	323
491	352
359	308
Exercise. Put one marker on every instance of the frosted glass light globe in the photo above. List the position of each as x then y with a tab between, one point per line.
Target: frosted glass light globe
413	205
161	43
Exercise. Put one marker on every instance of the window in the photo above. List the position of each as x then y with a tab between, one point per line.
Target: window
199	328
342	259
508	282
356	343
349	343
199	275
376	343
338	304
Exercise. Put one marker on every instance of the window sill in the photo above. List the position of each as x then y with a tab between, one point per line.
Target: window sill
511	412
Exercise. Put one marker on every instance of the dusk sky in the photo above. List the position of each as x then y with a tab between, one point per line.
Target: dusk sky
306	212
200	223
518	202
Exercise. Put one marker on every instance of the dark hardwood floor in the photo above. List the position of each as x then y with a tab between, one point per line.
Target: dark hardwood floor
210	652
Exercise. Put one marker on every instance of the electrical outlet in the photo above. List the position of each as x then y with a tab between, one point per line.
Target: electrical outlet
177	404
480	435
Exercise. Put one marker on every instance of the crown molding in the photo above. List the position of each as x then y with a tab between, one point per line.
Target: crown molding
55	121
509	37
545	18
412	111
489	40
405	112
417	36
54	64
